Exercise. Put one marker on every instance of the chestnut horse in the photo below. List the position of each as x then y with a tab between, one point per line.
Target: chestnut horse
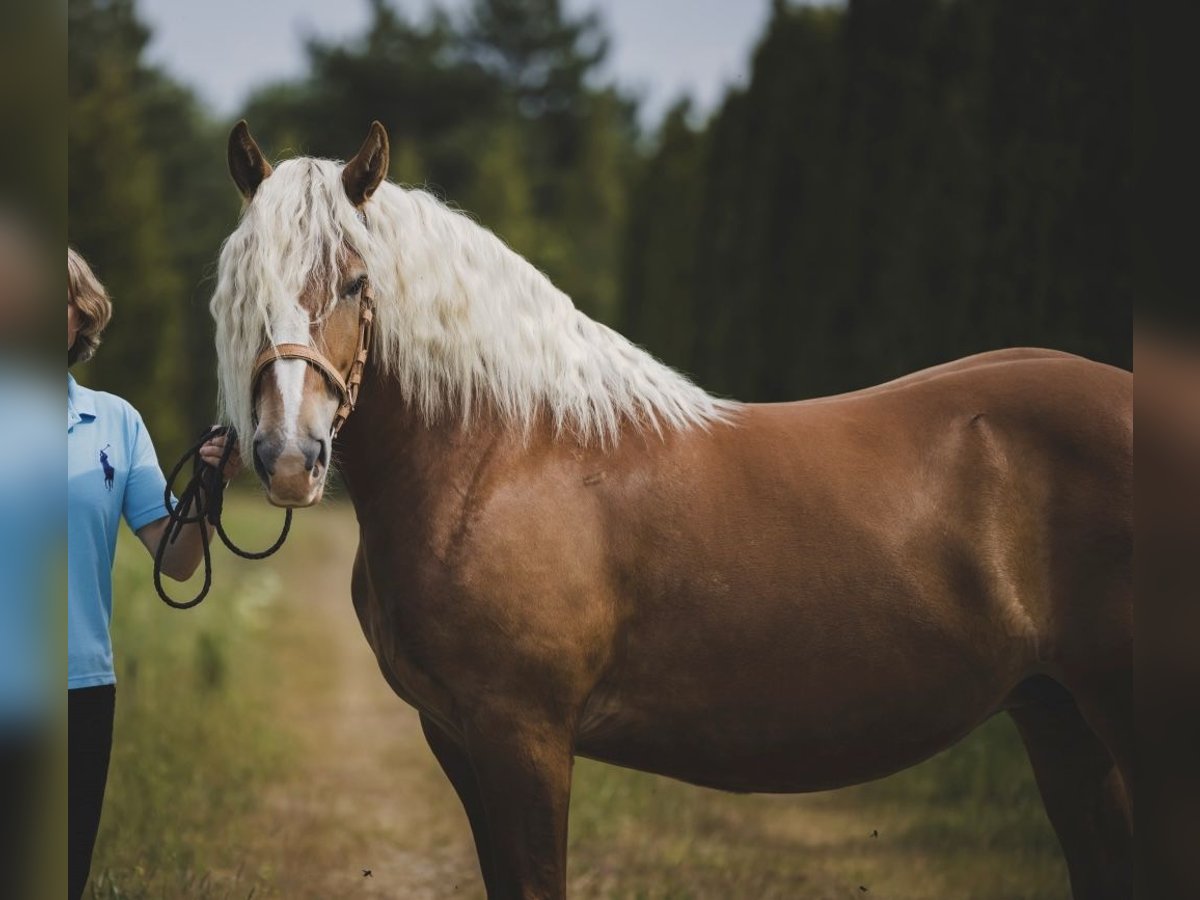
567	548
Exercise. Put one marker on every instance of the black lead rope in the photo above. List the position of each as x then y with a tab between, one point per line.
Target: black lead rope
200	503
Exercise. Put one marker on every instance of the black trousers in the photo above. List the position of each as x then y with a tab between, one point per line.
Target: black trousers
89	745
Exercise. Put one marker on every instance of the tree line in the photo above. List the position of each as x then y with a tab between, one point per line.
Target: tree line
900	182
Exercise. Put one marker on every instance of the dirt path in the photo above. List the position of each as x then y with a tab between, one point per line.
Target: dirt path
369	795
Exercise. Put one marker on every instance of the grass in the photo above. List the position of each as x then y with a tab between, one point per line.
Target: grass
246	765
966	824
195	745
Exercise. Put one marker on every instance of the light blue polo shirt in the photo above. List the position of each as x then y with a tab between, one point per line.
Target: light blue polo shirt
112	471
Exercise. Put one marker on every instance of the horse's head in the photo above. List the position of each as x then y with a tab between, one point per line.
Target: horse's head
293	310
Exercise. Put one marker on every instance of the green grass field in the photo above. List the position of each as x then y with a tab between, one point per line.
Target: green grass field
258	754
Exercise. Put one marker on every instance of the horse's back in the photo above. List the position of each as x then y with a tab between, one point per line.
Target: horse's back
1027	377
974	361
1061	408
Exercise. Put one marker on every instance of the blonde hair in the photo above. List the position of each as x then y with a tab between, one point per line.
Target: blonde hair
462	321
91	300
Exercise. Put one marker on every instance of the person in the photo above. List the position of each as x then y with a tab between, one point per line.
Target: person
112	473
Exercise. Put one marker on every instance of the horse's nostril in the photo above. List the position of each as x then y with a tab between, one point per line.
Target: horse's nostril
314	452
260	465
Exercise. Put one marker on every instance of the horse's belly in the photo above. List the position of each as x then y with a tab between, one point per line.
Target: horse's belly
740	709
771	751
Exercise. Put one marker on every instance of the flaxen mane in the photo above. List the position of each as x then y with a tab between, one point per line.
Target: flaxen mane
462	320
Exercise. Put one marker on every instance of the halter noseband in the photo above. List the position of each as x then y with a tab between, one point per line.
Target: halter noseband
346	386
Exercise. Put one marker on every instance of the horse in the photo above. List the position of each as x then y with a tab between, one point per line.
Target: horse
567	548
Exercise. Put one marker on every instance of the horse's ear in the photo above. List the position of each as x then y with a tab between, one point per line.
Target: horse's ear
247	164
363	174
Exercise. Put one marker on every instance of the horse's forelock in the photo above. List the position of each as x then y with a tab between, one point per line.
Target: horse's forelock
292	232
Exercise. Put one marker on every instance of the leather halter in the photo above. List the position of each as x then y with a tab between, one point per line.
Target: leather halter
346	385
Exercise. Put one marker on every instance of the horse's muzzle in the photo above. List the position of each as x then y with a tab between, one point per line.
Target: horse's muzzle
293	471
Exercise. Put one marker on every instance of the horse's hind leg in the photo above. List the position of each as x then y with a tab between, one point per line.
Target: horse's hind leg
457	766
1084	795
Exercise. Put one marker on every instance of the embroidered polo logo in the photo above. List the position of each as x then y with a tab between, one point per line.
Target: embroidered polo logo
109	471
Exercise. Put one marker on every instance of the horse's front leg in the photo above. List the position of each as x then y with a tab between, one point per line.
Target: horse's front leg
457	766
523	767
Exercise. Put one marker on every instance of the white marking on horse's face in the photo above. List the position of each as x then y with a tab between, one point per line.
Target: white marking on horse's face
295	415
289	381
288	374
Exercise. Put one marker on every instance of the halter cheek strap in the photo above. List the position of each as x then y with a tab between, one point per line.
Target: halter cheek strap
346	386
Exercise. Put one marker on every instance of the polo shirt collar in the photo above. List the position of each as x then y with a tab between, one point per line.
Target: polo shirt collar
81	404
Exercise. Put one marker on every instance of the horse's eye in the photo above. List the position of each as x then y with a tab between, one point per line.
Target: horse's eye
357	285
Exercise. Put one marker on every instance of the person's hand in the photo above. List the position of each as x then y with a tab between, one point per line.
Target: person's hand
212	451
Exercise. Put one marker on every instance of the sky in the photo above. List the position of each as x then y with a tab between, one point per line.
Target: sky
661	49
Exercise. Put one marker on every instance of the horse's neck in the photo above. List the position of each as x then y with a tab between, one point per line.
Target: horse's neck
395	463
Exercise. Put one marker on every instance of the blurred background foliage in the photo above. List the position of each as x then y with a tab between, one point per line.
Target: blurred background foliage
900	182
